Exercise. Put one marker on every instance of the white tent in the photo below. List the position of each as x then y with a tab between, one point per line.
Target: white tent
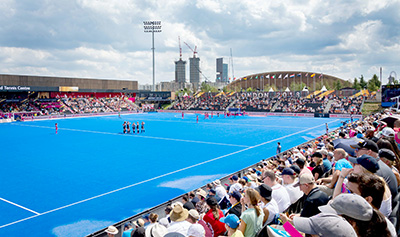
185	94
323	88
287	89
271	90
305	88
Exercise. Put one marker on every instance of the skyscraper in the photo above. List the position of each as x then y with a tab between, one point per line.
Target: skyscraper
222	71
180	72
194	72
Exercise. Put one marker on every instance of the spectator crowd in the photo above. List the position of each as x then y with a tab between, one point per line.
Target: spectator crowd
344	183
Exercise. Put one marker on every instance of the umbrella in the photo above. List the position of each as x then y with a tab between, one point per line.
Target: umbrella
346	143
389	120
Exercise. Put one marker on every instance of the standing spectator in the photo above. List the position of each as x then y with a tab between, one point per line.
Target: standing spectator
252	218
278	149
111	231
213	215
234	199
279	193
231	224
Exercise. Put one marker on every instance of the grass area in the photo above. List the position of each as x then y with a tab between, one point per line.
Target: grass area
371	107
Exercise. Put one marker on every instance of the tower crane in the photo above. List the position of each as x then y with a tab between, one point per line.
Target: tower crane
180	48
194	51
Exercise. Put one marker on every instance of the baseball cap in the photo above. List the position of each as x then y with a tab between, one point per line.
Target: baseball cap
388	132
236	195
196	230
234	177
305	178
366	161
287	171
351	205
231	220
300	161
317	154
368	144
295	168
324	224
386	153
194	213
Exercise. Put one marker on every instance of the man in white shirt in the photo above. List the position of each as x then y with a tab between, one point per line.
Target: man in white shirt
279	193
288	177
235	186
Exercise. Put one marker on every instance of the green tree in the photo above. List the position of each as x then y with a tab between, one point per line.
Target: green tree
338	85
374	83
356	85
205	87
363	83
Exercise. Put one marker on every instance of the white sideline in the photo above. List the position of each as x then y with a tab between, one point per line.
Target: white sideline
132	135
160	176
13	203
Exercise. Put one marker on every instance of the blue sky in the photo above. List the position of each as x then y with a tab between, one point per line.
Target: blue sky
105	38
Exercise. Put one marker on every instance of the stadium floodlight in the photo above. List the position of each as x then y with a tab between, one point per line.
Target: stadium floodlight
152	27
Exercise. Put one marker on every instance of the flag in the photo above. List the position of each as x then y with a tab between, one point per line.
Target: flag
291	76
262	76
312	75
234	78
267	77
320	75
245	78
256	77
280	76
273	77
307	74
286	76
299	75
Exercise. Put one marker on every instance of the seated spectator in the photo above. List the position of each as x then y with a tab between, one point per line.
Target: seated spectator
365	220
155	229
388	157
288	177
235	185
236	208
231	224
302	165
319	168
213	215
314	197
368	165
139	231
279	193
194	230
128	228
193	198
323	224
220	191
166	220
268	205
252	217
186	203
201	206
111	231
178	217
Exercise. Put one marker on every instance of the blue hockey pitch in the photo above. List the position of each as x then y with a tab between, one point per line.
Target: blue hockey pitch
91	175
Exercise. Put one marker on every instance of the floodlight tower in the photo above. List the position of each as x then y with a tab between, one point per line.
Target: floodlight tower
152	27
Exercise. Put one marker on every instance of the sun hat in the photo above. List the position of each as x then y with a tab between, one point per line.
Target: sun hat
366	161
265	191
194	213
305	178
179	213
216	182
196	230
201	192
112	230
157	230
324	224
351	205
139	222
231	220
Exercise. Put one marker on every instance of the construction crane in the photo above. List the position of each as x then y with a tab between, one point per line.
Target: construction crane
180	48
194	51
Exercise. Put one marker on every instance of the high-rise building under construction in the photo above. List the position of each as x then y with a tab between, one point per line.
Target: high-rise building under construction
194	71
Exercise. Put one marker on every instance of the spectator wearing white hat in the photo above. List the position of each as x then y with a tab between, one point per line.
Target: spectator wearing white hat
194	219
111	231
201	205
155	229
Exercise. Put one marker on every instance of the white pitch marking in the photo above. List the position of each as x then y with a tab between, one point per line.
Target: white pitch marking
13	203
